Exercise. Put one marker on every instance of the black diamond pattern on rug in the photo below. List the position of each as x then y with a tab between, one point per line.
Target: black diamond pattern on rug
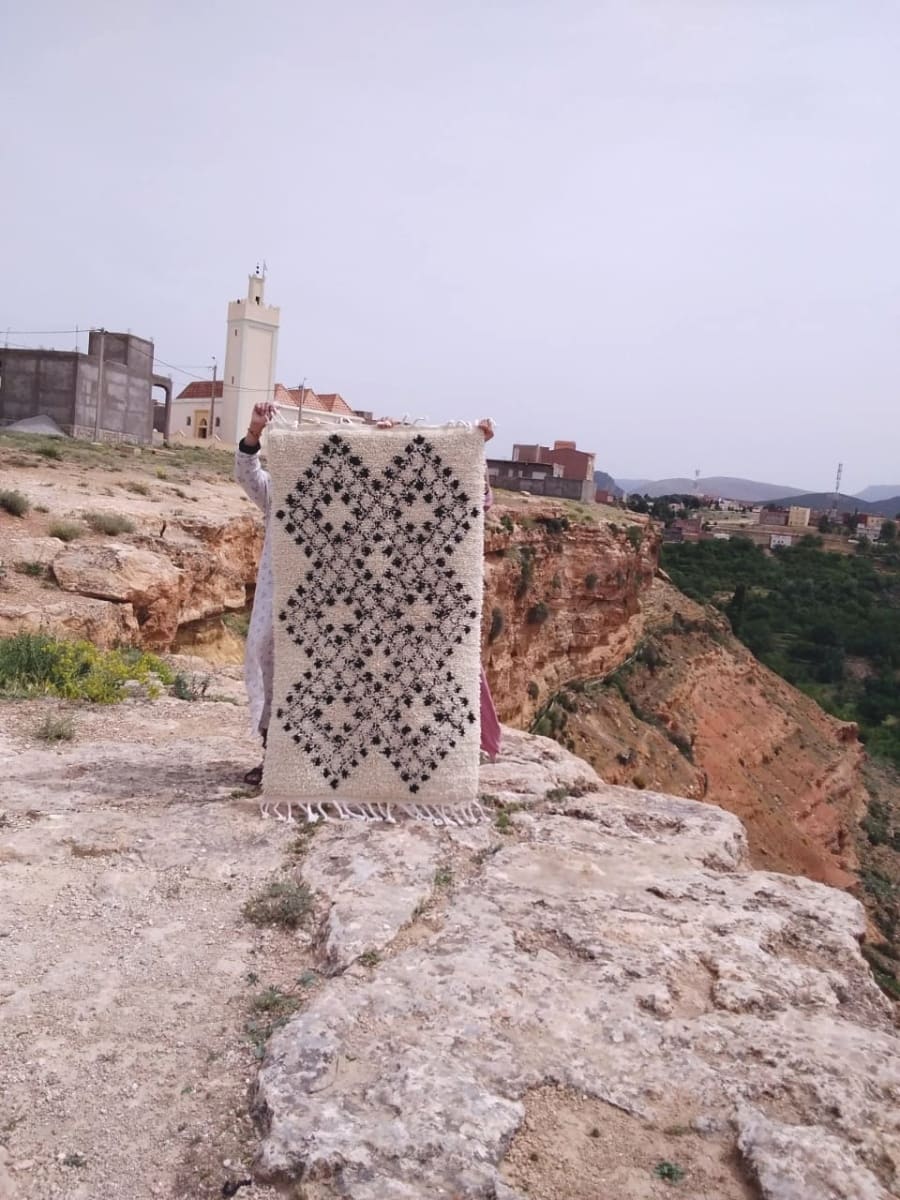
379	611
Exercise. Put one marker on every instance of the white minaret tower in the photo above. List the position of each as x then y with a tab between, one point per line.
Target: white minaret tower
250	353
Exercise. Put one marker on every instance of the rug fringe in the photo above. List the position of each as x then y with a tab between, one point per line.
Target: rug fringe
312	813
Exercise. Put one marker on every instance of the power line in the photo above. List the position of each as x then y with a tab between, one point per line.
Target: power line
149	353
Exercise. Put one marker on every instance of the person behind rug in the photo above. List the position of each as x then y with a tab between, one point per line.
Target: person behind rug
259	657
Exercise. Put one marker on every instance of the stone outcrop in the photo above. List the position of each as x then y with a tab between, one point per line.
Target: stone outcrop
98	621
193	569
606	962
42	550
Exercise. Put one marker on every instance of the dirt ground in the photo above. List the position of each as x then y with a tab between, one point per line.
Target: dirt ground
132	990
573	1147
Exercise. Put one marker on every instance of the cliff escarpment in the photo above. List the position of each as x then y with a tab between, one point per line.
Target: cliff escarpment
563	598
655	692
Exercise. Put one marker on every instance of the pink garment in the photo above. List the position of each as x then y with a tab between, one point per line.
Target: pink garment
490	722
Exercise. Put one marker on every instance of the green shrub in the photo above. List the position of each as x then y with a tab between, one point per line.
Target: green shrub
35	569
51	450
526	560
55	728
14	503
497	624
537	614
507	522
533	690
553	524
140	489
282	902
635	535
590	581
109	523
162	473
190	687
35	665
237	622
66	531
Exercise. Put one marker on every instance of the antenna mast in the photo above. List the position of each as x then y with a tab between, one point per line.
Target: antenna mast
837	492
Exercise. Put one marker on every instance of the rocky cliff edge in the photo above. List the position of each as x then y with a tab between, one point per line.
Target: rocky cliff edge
564	1006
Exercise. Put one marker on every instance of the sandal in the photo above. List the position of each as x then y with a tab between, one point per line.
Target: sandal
254	778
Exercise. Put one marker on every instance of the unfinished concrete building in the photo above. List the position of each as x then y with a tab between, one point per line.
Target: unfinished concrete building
104	395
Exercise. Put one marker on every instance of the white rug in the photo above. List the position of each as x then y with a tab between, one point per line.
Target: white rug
378	558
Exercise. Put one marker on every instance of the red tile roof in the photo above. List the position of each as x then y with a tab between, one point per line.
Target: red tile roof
335	403
330	402
200	390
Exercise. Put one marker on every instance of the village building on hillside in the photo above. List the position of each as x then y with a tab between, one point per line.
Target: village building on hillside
773	516
221	411
798	517
563	471
689	529
869	526
104	395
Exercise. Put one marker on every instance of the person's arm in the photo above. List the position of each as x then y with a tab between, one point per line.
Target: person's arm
247	470
486	425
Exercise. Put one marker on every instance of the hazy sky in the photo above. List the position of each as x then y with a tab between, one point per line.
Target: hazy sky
668	229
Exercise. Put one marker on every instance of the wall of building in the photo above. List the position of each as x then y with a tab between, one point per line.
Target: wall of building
38	383
126	409
550	485
798	518
64	385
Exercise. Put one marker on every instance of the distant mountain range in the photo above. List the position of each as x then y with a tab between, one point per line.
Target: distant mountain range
888	507
713	485
880	491
877	498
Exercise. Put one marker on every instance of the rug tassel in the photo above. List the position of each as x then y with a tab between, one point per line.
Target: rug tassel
312	812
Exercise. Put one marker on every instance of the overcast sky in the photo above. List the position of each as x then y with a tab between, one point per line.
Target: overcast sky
667	229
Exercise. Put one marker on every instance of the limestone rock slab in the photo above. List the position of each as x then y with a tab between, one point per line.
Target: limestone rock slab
615	944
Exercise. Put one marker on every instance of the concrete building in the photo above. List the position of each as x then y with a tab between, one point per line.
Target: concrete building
539	479
773	516
798	518
104	395
869	526
576	465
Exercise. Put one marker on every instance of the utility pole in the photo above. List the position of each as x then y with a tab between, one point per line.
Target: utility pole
102	333
212	401
300	405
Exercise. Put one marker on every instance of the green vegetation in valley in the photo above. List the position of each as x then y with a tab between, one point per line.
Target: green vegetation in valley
827	623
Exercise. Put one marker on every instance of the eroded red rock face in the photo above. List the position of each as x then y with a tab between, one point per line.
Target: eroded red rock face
695	715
